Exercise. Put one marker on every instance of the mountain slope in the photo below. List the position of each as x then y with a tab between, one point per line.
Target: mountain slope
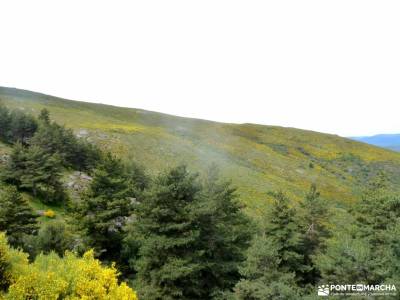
257	158
389	141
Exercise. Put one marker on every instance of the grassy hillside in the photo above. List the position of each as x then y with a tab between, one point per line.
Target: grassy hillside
257	158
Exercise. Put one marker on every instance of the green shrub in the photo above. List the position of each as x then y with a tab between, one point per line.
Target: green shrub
53	236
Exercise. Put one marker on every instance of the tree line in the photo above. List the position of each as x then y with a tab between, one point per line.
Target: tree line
182	235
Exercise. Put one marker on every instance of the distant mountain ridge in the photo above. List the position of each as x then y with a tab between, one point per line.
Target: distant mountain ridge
389	141
257	158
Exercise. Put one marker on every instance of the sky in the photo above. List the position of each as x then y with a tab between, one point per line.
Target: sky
328	66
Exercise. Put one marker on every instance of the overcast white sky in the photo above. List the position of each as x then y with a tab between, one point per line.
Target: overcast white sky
330	66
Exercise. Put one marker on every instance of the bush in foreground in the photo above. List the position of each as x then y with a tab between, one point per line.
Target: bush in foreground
52	277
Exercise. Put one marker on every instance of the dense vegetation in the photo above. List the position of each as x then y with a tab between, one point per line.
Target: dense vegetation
176	234
52	277
256	158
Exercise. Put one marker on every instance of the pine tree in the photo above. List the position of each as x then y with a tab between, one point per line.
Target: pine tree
377	210
16	216
5	122
283	230
137	177
36	171
261	274
274	264
53	138
138	182
42	175
346	259
225	233
394	253
167	230
190	237
22	127
313	220
106	208
16	126
56	139
366	248
376	215
84	155
44	116
15	166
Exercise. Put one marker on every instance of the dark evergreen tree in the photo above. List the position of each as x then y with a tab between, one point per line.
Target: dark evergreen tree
44	116
16	216
377	210
22	127
346	259
5	124
167	229
137	177
283	229
54	138
15	166
138	182
394	254
366	249
106	208
43	175
262	277
225	234
36	171
84	156
313	220
275	262
190	237
376	215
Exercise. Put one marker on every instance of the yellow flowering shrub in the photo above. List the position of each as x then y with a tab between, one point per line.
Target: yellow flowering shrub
37	285
11	263
51	277
49	213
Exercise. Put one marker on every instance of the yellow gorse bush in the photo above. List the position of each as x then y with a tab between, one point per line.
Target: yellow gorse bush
12	262
51	277
49	213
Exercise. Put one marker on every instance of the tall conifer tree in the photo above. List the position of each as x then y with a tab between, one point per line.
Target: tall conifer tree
106	208
274	264
314	220
167	230
34	170
16	216
5	123
225	233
